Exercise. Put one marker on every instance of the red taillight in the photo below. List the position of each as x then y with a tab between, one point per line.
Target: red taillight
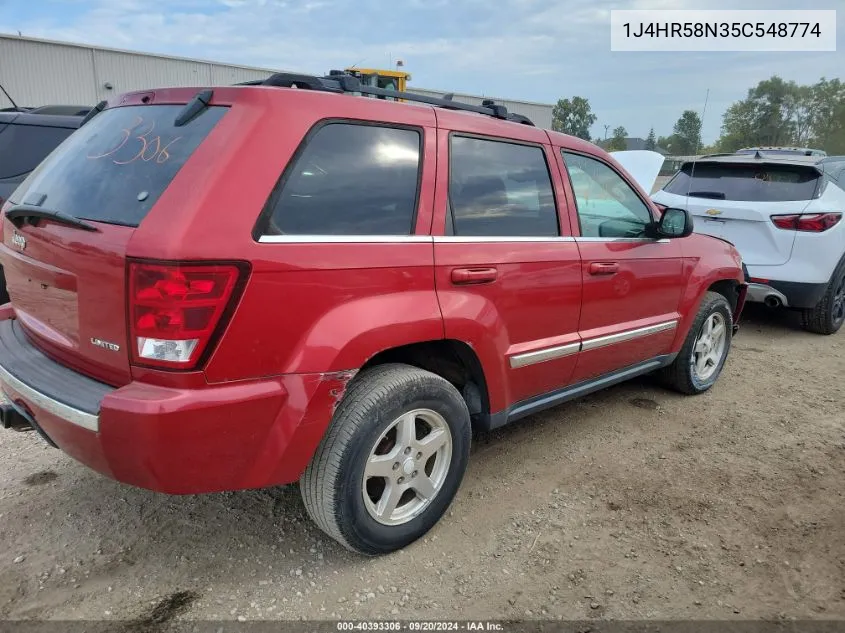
175	309
811	222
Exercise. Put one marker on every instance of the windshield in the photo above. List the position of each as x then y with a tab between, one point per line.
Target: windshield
115	167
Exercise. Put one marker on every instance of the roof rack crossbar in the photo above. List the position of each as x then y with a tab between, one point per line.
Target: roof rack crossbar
346	83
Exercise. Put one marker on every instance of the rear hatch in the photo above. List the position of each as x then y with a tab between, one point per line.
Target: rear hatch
736	201
67	282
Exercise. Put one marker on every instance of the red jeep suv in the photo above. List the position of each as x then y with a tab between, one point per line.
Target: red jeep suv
256	285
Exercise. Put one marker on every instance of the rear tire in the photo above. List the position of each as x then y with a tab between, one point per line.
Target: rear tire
703	355
829	314
391	461
4	295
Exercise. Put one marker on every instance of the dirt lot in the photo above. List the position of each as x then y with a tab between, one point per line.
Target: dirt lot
633	503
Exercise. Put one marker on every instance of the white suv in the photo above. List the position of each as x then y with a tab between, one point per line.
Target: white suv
784	215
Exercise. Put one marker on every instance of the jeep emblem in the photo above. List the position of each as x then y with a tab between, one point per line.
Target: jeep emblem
19	240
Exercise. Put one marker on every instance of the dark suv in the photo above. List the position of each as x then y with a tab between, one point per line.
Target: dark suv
249	286
26	138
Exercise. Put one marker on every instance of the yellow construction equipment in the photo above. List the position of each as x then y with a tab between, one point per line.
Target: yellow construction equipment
386	79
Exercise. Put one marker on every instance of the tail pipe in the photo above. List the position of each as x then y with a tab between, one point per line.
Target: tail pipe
772	301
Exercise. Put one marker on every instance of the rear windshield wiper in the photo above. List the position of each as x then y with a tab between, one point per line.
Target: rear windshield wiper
715	195
21	212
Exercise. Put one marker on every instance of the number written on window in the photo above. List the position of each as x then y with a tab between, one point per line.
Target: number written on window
140	144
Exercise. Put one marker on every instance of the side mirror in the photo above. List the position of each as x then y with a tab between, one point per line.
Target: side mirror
674	223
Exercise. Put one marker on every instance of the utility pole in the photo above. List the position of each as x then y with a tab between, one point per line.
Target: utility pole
606	128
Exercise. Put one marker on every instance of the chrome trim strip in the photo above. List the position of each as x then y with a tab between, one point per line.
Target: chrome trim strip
63	411
621	337
497	239
643	240
539	356
342	239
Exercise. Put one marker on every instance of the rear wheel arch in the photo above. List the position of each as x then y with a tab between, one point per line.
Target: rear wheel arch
450	359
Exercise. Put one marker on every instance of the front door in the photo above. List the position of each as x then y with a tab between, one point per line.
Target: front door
632	283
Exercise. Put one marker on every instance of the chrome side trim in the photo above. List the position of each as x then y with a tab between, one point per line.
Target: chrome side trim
63	411
621	337
641	240
499	239
550	353
342	239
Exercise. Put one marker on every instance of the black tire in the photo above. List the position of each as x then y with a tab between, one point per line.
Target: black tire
680	374
4	295
333	483
829	314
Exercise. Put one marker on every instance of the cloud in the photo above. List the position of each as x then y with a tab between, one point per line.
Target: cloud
538	50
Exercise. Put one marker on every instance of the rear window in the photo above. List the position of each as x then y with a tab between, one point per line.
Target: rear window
116	166
750	183
22	147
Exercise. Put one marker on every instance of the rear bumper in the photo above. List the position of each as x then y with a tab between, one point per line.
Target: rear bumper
180	441
789	294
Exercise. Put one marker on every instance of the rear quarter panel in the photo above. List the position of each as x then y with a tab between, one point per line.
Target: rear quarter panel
310	306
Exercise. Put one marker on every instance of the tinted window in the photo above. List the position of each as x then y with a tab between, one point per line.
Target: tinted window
22	147
607	205
751	183
351	180
500	189
115	167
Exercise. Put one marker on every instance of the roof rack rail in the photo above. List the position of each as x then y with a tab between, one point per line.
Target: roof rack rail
341	82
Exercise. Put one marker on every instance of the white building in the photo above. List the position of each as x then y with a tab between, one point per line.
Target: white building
39	72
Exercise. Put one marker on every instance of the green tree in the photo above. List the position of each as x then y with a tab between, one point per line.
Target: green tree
617	142
573	117
650	141
827	115
686	135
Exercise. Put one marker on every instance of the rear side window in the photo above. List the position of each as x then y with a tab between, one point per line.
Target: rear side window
350	179
116	166
500	189
23	147
750	183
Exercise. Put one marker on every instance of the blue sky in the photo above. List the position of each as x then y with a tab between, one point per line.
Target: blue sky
538	50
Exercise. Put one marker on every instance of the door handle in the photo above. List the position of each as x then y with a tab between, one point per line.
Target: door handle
604	268
474	275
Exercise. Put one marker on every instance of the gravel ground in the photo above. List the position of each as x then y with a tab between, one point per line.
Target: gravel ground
632	503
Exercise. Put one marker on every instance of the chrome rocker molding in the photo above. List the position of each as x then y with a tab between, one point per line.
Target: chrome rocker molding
559	351
54	407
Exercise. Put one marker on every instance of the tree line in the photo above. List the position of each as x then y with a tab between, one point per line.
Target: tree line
774	113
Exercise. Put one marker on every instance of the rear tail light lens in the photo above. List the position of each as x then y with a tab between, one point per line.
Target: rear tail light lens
811	222
176	309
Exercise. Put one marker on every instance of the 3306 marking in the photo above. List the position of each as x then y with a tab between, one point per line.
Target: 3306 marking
149	147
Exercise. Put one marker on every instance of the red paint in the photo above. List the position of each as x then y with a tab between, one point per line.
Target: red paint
309	315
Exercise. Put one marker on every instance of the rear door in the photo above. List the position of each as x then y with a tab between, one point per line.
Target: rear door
67	285
507	272
736	202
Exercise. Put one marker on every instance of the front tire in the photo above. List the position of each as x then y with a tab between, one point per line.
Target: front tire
829	314
391	461
703	355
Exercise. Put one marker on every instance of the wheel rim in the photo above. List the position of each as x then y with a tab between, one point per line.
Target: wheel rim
709	347
407	466
838	308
